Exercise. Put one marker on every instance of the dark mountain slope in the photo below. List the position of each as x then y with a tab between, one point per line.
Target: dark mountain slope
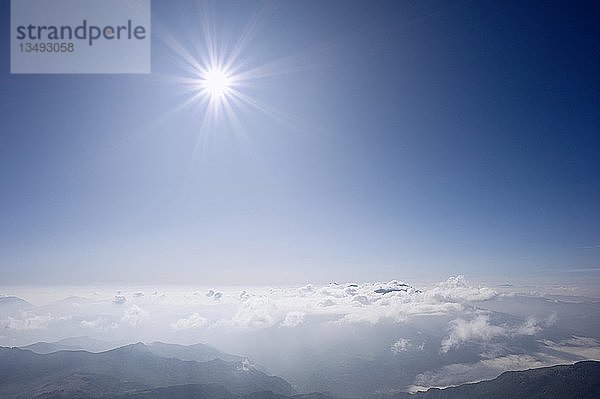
49	347
23	372
10	304
197	352
134	372
577	381
207	392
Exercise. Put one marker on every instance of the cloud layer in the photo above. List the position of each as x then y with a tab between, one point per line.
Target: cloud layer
455	330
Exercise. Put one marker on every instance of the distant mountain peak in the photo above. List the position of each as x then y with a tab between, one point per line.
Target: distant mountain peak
74	374
138	347
8	299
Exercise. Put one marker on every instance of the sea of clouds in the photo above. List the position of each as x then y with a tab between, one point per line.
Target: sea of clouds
439	335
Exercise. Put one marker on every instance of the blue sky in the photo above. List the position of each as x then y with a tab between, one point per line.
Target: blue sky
421	139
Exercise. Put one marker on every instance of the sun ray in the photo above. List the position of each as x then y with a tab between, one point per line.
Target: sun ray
216	79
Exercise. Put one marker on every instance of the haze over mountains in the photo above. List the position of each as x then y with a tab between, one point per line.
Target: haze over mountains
135	372
128	367
578	381
349	340
197	352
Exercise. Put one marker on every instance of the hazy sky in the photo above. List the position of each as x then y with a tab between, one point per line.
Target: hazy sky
401	139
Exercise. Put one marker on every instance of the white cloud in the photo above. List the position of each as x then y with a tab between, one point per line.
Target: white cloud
27	321
478	329
293	319
481	330
458	289
216	295
363	300
531	326
255	312
191	322
307	289
400	346
326	302
99	324
350	303
134	315
119	299
244	296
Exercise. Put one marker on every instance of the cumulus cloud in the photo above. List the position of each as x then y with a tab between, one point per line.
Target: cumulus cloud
99	324
119	299
406	345
400	346
344	303
351	303
531	326
307	289
326	302
244	296
191	322
479	329
27	321
255	312
458	289
134	315
293	319
361	299
216	295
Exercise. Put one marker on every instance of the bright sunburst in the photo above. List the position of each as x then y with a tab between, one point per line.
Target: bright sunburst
215	83
217	78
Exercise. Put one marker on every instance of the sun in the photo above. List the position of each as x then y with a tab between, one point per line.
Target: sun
215	83
217	78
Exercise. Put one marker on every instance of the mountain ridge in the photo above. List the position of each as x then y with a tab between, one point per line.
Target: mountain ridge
134	371
23	371
580	380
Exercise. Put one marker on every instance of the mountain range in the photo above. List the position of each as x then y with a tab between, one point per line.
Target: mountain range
168	371
576	381
71	374
197	352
